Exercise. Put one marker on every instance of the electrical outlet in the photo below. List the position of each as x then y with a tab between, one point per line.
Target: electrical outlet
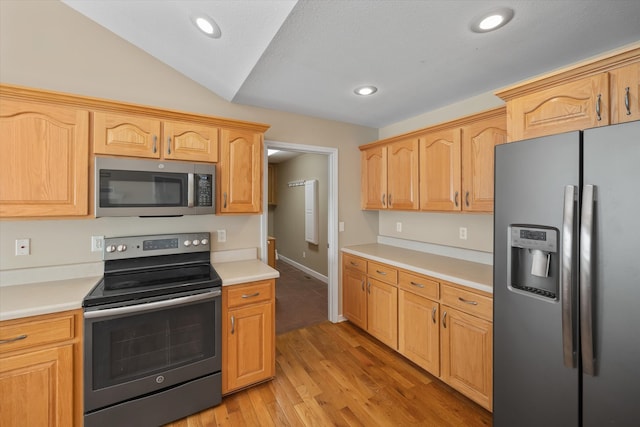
304	254
463	233
222	236
97	243
399	227
23	247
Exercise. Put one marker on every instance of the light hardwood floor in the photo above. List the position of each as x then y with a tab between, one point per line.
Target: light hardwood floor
336	375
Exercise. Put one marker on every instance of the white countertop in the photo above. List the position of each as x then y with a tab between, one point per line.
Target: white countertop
31	299
467	273
245	271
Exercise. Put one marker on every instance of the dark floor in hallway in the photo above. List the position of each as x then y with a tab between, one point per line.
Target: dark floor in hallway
301	300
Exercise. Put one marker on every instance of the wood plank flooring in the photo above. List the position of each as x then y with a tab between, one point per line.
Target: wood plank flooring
336	375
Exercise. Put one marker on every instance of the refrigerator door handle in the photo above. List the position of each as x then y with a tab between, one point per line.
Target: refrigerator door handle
586	274
566	278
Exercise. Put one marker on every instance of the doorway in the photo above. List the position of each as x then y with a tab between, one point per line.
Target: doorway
332	214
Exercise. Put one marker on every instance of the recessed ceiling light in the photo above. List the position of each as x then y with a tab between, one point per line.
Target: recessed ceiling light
366	90
492	20
207	25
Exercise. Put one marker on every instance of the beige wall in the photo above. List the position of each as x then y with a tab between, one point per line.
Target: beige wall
45	44
289	221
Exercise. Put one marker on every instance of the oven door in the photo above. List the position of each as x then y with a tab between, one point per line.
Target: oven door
138	349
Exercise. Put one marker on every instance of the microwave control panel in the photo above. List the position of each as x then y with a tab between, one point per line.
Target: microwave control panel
204	192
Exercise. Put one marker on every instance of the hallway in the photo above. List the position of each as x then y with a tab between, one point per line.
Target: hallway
301	300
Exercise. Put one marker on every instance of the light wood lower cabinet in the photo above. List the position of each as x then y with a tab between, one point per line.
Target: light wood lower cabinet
467	355
40	371
248	331
443	327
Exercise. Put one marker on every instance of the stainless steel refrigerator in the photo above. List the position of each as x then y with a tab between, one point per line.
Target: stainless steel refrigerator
567	280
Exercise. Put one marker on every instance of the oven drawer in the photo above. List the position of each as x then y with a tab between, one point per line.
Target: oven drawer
35	331
239	295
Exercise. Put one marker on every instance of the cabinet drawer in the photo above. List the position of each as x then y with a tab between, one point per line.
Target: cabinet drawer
466	301
419	285
354	262
382	272
36	331
240	295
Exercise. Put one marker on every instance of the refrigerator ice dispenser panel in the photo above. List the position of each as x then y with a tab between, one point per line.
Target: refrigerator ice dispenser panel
533	267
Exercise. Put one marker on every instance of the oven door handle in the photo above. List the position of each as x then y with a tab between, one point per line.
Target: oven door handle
150	305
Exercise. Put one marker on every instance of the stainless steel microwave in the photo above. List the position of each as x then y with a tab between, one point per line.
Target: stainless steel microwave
140	187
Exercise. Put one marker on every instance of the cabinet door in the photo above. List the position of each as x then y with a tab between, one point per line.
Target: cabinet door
240	172
625	94
402	175
44	165
36	388
382	312
419	330
478	142
373	193
576	105
272	188
124	135
467	355
354	297
440	171
186	141
250	346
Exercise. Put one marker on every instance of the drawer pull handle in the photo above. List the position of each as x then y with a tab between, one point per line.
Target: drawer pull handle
419	285
466	301
14	339
433	314
384	273
233	324
362	284
444	319
355	264
250	296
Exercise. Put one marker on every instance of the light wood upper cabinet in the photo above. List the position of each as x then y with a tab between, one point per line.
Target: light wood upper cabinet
440	174
390	176
478	142
374	178
44	166
40	383
625	93
576	105
188	141
248	330
240	172
140	136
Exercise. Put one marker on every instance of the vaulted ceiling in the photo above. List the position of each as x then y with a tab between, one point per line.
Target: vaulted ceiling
308	56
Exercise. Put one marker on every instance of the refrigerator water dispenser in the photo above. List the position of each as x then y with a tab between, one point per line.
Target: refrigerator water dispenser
534	263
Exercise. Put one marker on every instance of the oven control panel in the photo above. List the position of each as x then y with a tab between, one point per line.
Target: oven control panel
157	244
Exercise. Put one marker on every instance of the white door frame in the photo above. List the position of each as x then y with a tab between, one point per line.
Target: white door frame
332	214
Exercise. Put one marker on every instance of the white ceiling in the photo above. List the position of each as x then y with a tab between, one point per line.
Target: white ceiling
307	56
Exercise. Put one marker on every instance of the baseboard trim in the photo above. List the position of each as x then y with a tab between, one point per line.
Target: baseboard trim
304	268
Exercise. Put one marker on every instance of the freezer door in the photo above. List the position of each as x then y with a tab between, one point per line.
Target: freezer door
612	166
532	386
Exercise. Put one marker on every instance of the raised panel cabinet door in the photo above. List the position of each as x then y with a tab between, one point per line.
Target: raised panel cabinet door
374	178
382	312
188	141
240	172
44	160
625	93
419	330
36	388
478	143
354	296
467	355
580	104
250	346
125	135
402	175
440	166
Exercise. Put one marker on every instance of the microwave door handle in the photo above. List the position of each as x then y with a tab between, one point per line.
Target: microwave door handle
190	191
